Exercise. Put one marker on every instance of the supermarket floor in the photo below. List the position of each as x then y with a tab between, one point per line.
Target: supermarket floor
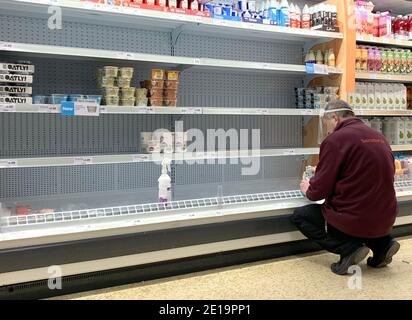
296	277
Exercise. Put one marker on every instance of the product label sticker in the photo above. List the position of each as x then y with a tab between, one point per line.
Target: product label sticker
17	67
83	160
8	163
8	107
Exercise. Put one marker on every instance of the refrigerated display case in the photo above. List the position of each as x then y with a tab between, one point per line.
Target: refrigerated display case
78	192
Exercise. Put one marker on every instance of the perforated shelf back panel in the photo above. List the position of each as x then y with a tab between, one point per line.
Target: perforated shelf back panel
30	135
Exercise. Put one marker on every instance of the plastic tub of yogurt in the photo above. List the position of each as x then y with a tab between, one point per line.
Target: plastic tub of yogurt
126	72
127	93
110	71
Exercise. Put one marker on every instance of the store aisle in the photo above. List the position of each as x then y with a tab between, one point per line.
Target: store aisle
298	277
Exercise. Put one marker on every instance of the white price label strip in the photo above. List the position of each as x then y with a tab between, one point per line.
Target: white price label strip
7	107
83	160
8	163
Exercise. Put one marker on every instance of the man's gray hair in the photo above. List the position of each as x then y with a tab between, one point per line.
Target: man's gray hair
339	104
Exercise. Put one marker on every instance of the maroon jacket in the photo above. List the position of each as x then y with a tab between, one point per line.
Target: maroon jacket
355	176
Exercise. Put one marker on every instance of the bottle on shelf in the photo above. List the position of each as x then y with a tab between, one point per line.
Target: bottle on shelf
319	57
292	16
306	17
298	17
274	12
331	60
284	18
165	183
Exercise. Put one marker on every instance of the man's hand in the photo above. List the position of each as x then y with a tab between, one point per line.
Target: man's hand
304	186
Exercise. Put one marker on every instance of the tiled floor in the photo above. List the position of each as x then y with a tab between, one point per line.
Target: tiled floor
298	277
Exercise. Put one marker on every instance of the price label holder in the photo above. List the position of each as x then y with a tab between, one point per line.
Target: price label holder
83	161
313	68
80	108
8	107
8	163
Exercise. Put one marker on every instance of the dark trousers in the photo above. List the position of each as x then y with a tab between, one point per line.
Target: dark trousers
310	221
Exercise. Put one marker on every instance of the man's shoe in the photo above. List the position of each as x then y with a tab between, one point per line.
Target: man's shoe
385	257
341	267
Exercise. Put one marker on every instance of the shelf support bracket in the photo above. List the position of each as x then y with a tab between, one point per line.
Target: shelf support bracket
176	34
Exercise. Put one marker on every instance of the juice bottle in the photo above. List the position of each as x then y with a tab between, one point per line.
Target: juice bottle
397	61
410	27
384	57
375	28
358	59
371	59
390	54
364	66
378	60
404	62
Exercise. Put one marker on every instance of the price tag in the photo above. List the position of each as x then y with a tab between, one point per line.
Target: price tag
141	158
191	110
137	12
48	108
83	160
219	22
262	111
5	45
251	26
198	19
180	17
308	112
8	163
91	6
387	77
197	61
200	155
86	108
53	2
8	107
126	55
103	109
289	152
265	66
